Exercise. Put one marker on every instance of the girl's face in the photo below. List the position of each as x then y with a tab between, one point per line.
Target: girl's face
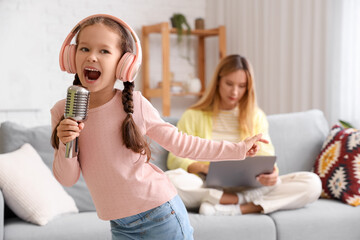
232	88
97	55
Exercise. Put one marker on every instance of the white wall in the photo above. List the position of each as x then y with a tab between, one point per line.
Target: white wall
32	32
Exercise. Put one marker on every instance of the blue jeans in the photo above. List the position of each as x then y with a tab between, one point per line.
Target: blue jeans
168	221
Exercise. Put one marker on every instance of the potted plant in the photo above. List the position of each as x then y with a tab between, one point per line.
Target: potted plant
177	21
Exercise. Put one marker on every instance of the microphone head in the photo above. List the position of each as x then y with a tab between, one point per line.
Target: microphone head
77	103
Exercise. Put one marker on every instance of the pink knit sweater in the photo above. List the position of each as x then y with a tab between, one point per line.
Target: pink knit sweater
120	181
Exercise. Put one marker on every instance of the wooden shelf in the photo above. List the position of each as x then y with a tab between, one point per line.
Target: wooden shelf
187	94
156	92
157	28
165	31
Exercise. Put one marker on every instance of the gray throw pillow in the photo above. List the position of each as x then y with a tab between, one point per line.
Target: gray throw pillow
13	136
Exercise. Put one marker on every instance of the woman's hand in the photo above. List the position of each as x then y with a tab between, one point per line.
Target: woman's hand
68	130
269	179
251	146
197	168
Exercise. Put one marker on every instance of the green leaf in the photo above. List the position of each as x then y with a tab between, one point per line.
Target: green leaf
345	124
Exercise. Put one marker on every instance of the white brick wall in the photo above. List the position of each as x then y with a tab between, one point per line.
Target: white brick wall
32	32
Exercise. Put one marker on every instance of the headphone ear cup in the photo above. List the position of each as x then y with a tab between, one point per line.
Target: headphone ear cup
125	66
69	58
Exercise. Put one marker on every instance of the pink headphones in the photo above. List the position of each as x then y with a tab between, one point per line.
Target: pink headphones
128	66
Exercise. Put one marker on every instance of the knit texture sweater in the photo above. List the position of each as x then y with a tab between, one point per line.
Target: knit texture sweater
120	181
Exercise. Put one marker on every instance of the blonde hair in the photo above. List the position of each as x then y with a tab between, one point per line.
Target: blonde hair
210	101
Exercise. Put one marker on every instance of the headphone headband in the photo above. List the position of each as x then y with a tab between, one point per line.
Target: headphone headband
128	69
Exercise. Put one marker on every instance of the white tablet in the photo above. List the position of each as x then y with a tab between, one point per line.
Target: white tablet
240	173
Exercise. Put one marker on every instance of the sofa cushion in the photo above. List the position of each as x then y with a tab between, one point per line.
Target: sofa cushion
82	226
324	219
30	189
13	136
338	165
250	226
297	138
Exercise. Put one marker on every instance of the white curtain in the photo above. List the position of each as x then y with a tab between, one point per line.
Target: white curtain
343	66
284	40
300	51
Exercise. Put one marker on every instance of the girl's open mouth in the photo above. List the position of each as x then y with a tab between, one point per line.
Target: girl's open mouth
92	74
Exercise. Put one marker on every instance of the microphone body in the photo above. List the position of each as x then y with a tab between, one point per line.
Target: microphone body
76	108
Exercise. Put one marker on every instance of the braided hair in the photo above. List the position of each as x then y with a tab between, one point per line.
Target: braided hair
131	135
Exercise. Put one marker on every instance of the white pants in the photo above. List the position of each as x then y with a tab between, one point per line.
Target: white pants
292	191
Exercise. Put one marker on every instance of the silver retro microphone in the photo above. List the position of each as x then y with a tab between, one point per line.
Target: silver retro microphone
76	108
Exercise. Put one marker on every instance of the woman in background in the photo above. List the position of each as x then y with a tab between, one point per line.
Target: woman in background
228	111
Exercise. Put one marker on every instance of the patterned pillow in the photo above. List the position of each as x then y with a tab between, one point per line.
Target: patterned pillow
338	165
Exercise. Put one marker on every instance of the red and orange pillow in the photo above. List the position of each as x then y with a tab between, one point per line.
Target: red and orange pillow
338	165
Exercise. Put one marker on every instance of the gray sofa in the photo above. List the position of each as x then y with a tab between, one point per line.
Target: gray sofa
297	138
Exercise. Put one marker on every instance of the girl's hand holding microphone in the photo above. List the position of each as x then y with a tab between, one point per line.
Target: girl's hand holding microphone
68	130
251	144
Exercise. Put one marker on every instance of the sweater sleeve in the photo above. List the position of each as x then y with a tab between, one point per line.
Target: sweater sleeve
65	170
262	126
184	145
185	125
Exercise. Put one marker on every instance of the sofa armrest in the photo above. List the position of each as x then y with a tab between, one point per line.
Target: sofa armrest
2	209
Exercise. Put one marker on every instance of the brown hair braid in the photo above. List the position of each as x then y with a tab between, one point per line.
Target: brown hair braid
132	137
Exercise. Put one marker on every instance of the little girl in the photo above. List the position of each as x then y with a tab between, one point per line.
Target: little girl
135	195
